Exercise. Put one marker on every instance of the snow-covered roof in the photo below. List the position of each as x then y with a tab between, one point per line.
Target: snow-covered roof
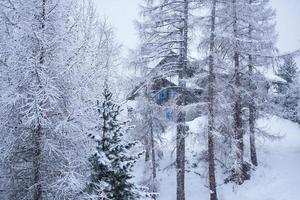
270	74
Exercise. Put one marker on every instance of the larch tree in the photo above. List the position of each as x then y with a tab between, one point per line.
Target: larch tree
208	45
237	110
221	43
150	125
153	127
165	30
260	48
45	152
244	46
242	36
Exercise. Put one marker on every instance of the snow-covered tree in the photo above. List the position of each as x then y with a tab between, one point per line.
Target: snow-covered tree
150	124
165	30
260	48
243	37
288	70
113	161
42	117
287	94
209	46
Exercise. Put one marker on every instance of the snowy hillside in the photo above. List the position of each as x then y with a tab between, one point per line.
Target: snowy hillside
182	116
277	178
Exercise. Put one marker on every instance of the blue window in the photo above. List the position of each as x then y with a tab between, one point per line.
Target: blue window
173	93
163	95
170	115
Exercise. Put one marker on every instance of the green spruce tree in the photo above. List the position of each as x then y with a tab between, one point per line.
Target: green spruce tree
112	163
288	70
289	92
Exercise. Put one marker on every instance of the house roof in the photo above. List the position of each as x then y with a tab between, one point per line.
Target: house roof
156	85
271	76
157	80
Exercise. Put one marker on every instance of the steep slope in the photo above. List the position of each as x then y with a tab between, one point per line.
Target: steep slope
277	177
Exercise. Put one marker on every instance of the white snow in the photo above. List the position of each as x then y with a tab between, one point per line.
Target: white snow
276	178
271	76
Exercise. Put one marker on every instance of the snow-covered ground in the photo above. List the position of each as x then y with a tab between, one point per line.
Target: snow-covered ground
277	177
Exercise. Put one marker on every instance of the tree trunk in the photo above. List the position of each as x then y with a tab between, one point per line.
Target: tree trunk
252	109
153	153
38	134
37	163
181	121
253	154
147	149
238	123
180	156
211	99
153	158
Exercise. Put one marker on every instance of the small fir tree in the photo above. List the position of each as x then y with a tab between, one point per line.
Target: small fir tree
112	163
289	92
288	70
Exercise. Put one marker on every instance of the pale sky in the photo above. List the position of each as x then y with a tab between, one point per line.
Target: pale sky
122	13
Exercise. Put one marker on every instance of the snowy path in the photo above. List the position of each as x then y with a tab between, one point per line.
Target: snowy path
277	178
